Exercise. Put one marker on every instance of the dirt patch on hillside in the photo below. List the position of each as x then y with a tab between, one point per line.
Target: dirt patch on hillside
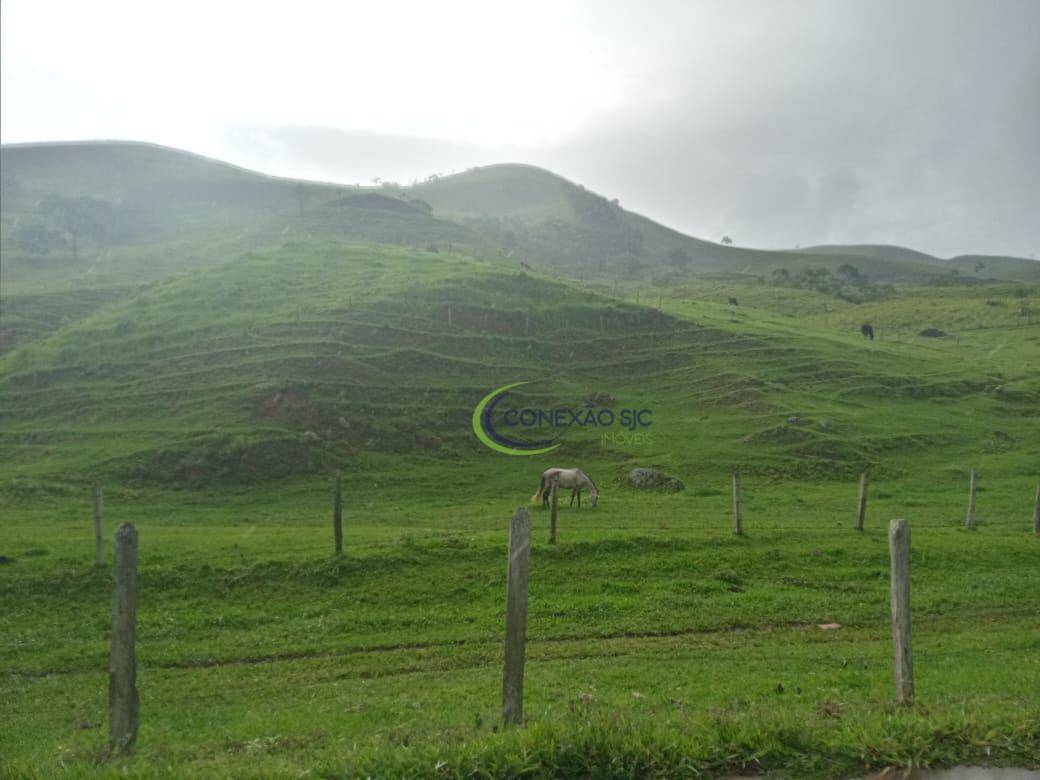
216	461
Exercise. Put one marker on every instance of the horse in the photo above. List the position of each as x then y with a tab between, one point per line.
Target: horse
575	479
867	331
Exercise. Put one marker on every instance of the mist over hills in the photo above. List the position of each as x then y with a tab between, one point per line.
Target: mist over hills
146	194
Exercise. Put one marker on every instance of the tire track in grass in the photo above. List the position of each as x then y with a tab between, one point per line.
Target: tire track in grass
270	658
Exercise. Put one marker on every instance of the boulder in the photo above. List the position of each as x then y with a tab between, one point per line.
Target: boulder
644	478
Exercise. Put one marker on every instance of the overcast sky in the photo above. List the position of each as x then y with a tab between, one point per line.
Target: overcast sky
779	123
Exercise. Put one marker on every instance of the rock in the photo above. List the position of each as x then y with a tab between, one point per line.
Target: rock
654	478
932	333
794	420
311	436
673	485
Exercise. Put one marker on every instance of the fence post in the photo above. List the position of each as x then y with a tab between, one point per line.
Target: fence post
552	514
517	574
99	528
123	703
862	511
337	515
1036	512
970	523
738	515
899	551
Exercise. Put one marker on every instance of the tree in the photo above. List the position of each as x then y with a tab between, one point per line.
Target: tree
83	217
36	238
979	265
850	272
727	240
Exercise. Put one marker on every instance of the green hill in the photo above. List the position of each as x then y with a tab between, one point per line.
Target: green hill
246	288
543	217
874	250
137	212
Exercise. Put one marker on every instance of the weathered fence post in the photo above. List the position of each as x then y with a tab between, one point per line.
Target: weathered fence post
517	574
99	529
970	523
862	511
738	515
899	551
1036	512
123	703
337	515
552	514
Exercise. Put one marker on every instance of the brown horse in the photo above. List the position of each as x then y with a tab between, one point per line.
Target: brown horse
575	479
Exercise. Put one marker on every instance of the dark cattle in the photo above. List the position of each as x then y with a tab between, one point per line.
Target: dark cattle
734	302
867	331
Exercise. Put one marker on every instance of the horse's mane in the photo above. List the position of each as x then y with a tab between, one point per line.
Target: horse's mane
590	481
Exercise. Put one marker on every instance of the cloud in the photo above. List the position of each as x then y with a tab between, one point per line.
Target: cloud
351	156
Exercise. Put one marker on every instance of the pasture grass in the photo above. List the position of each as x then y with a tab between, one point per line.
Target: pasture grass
659	643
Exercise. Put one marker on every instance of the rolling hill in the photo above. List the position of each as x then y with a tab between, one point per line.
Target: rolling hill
271	303
136	195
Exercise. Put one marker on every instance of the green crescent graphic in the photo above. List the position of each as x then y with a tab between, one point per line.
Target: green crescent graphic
481	434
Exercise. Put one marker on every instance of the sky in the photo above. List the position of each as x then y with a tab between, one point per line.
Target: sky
780	123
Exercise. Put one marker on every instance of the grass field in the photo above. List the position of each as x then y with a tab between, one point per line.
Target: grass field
651	626
217	398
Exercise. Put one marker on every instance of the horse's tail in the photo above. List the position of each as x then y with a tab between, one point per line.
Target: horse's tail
537	497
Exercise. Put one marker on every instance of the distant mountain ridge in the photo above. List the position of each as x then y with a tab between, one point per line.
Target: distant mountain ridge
156	194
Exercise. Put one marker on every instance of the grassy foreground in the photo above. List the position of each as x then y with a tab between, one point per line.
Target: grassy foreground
659	643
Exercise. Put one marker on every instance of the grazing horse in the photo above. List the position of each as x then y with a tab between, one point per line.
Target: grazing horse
867	331
575	479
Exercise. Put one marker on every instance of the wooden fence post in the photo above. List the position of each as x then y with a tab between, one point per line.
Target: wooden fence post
738	515
1036	512
970	523
123	703
862	511
99	529
337	516
552	514
517	574
899	551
